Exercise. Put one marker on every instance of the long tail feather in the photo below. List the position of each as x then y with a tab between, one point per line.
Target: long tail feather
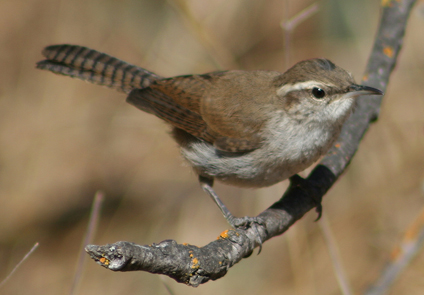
95	67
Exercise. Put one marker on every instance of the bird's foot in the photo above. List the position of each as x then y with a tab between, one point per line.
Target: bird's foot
247	222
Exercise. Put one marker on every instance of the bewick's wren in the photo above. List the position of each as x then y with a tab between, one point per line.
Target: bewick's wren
245	128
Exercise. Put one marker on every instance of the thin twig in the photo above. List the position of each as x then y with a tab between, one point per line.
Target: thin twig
167	287
411	244
19	264
333	250
297	19
287	35
221	57
88	238
288	26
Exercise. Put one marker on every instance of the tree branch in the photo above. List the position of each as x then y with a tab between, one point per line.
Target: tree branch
193	265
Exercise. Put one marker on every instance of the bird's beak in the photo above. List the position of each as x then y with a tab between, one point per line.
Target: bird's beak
364	90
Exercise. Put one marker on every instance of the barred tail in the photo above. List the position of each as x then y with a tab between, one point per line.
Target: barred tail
95	67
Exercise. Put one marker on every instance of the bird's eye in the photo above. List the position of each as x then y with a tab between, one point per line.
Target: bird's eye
318	92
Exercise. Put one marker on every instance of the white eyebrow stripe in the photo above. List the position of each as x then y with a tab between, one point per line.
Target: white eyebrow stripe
301	85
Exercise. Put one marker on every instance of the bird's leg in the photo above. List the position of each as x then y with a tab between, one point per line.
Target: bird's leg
206	184
235	222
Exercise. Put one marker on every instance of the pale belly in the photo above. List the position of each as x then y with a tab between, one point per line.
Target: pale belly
273	162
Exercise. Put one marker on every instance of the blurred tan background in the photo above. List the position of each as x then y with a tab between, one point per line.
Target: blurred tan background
61	140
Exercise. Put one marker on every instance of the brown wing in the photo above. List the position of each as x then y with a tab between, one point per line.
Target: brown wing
177	101
163	106
221	108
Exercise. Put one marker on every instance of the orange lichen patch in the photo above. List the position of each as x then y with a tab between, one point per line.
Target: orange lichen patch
412	233
185	244
223	235
220	262
415	228
410	237
195	263
388	51
395	254
365	78
337	145
104	261
191	255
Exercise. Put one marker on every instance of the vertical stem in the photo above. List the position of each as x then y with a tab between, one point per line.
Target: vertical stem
287	35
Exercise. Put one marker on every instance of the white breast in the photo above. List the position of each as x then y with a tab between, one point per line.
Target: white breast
286	152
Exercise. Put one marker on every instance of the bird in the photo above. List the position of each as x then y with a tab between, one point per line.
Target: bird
244	128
